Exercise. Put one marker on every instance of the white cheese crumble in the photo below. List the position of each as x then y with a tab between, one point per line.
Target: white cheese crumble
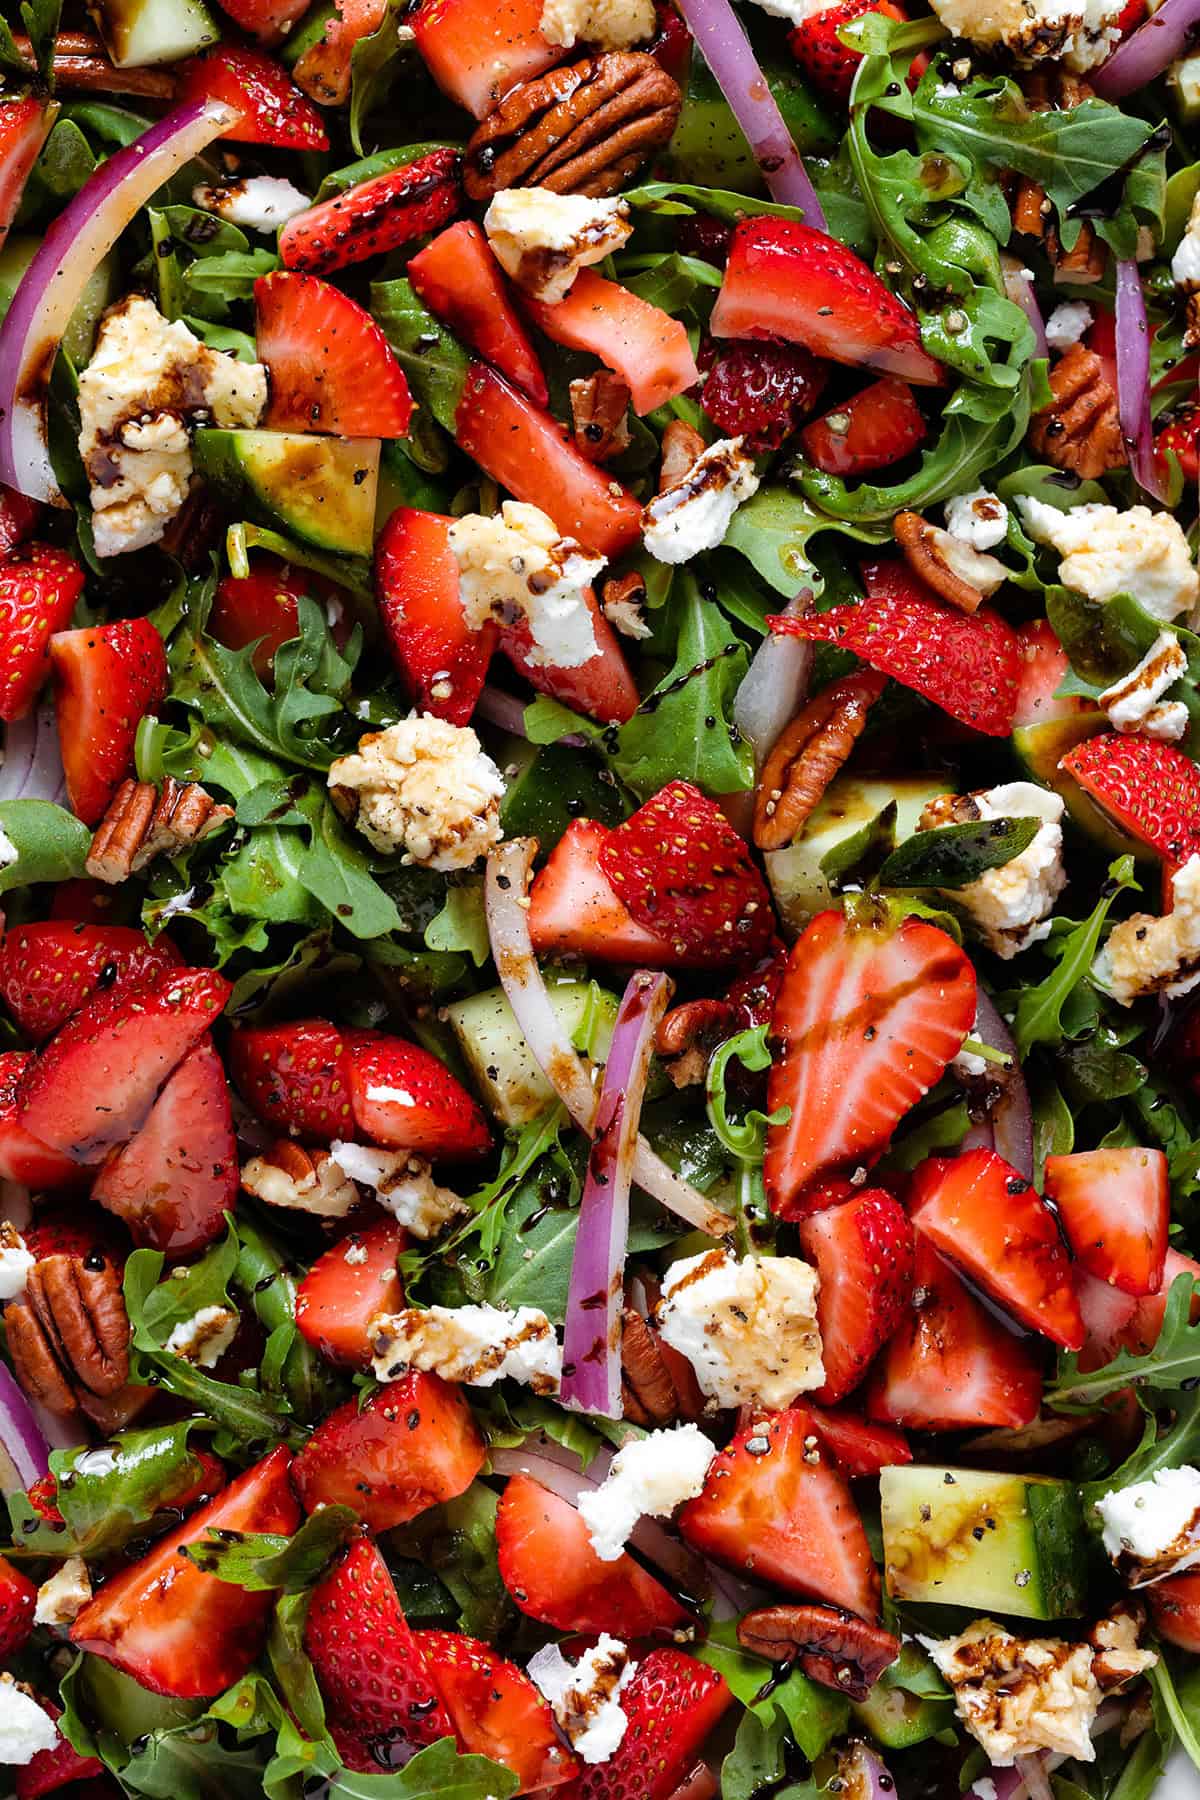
1145	955
479	1345
648	1478
585	1696
748	1326
62	1598
402	1184
9	854
1106	551
425	787
606	24
798	12
205	1337
1135	703
258	202
1152	1529
542	239
1080	33
515	565
25	1727
979	518
15	1261
1009	906
1067	324
1185	263
1017	1696
323	1189
696	512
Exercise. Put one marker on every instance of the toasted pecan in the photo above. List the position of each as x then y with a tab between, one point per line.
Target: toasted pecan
142	823
599	409
1081	428
68	1338
960	574
682	444
808	754
833	1647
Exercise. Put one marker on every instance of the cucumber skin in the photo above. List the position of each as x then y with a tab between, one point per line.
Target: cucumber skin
291	498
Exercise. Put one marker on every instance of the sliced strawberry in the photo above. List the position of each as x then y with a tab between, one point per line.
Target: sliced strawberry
106	678
1150	788
1142	1332
443	661
1175	1610
548	1565
24	123
324	69
757	389
1182	436
868	1018
176	1629
331	367
828	63
950	1365
787	280
686	874
1115	1207
94	1084
874	428
462	284
672	1704
413	1444
495	1709
574	912
18	516
859	1448
18	1597
270	107
49	970
61	1767
376	216
774	1506
477	50
642	344
295	1077
968	664
38	590
863	1251
259	608
1044	666
368	1662
986	1218
404	1098
531	456
1107	1315
173	1183
266	20
601	688
345	1288
67	1229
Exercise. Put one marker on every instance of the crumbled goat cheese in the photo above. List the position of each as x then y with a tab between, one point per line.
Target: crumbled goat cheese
25	1728
205	1337
402	1184
15	1262
1118	1657
543	239
748	1326
323	1189
62	1598
257	202
798	12
149	379
627	617
1067	324
1152	1529
695	514
1145	955
984	573
605	24
1017	1696
585	1696
1010	906
9	854
1135	703
979	518
1080	33
425	787
480	1345
1106	552
515	565
1185	264
649	1478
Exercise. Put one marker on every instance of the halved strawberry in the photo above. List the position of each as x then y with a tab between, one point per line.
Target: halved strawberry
548	1565
986	1218
775	1507
180	1631
404	1098
574	912
39	586
1182	436
874	428
270	107
1175	1610
106	678
18	516
413	1444
858	1447
18	1597
1043	668
331	367
477	50
863	1251
24	123
1150	788
345	1288
755	388
95	1083
443	661
324	69
461	282
376	216
950	1365
61	1767
529	454
295	1078
266	20
672	1704
495	1710
968	664
49	970
69	1228
1142	1330
601	688
259	608
868	1018
787	280
829	64
638	341
1115	1207
173	1183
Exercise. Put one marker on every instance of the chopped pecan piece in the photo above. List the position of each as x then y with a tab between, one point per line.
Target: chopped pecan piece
682	445
832	1647
583	129
1048	90
1191	334
141	823
68	1336
808	754
599	405
81	62
1081	429
309	1181
649	1393
962	575
688	1035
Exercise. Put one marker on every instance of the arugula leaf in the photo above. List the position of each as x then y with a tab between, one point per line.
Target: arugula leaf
1181	1704
461	924
108	1496
294	1370
373	67
41	22
1173	1361
953	856
773	530
746	1140
814	1715
437	1770
51	844
1158	1449
267	1561
457	1540
1038	1018
434	361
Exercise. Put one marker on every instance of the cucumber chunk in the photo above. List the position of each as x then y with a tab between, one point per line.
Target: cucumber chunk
320	489
897	1718
509	1079
849	803
138	33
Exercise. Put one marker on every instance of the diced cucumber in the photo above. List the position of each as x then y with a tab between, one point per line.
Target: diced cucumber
306	34
1183	79
896	1718
849	803
550	787
99	291
991	1542
321	489
140	32
502	1063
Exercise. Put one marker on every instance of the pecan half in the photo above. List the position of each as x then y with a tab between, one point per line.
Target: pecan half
682	445
1048	90
81	62
599	408
649	1393
688	1035
141	823
808	754
68	1336
583	129
1081	429
832	1647
962	575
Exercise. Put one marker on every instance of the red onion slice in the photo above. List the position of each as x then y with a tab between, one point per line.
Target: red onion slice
32	768
1145	53
1018	285
591	1379
1012	1116
1133	377
24	1455
775	686
77	240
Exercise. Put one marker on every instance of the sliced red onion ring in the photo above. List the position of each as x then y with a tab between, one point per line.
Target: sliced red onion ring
775	686
591	1379
1018	285
508	932
1032	1770
726	49
74	245
1012	1115
1133	377
1165	35
24	1452
32	768
700	1784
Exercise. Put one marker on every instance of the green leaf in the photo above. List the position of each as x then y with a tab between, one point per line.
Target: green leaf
1163	1446
814	1714
373	68
1170	1364
51	844
461	924
433	360
1181	1704
263	1562
336	871
108	1496
953	856
41	22
746	1140
439	1771
1038	1018
773	530
457	1540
